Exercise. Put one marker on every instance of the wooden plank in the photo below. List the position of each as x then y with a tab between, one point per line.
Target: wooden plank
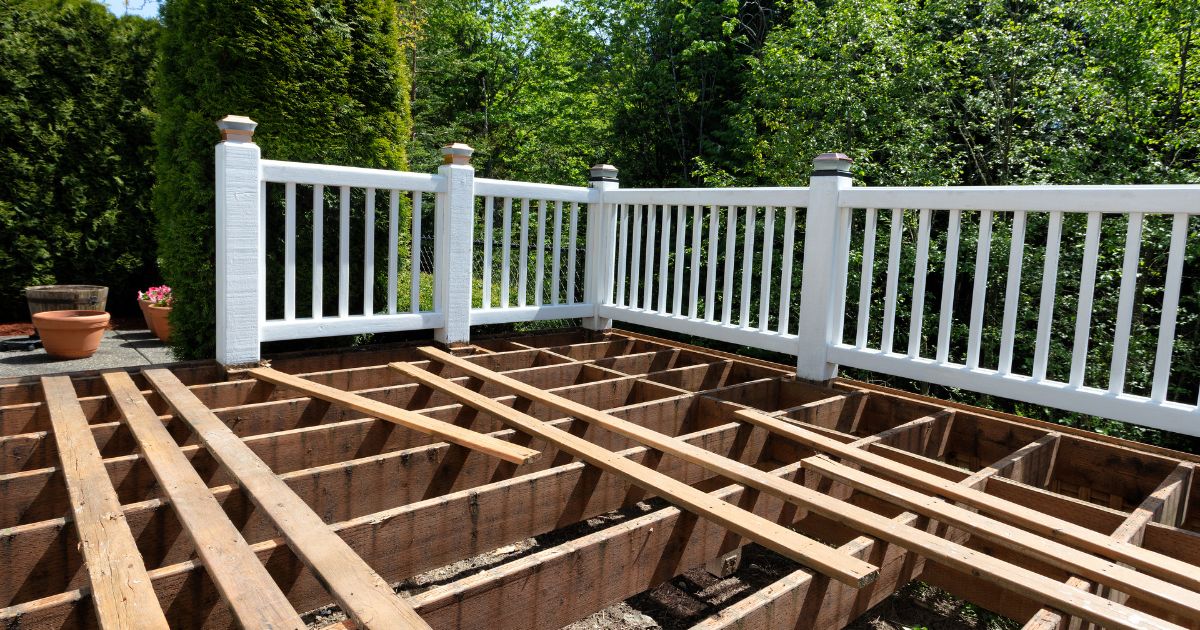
1155	564
361	593
410	419
1009	576
121	588
1164	505
780	539
782	603
242	580
1162	593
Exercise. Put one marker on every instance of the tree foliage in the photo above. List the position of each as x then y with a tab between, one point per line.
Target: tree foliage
327	82
75	149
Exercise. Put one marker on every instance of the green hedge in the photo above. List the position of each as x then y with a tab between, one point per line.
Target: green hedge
326	81
75	150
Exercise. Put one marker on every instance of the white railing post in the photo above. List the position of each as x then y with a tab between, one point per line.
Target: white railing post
241	260
453	241
831	174
601	240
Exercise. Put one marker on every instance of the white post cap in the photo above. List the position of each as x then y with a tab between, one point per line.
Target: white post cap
236	129
457	153
602	173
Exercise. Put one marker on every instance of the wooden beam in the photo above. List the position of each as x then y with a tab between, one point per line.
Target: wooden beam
1091	541
1031	464
910	436
242	580
780	539
507	451
1161	506
1162	593
361	593
1005	574
121	588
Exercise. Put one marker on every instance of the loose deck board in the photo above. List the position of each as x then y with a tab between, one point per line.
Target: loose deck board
121	589
242	580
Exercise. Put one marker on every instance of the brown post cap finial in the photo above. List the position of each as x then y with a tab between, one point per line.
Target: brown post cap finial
236	129
457	153
832	164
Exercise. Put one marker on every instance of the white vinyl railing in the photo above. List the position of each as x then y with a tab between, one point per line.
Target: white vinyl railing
928	355
902	281
507	210
667	243
389	187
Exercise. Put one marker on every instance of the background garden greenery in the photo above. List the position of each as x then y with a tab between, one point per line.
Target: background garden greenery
76	118
673	92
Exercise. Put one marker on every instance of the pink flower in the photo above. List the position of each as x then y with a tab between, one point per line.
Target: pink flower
157	296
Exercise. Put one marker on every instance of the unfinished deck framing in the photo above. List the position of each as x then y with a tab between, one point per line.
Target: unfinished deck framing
328	474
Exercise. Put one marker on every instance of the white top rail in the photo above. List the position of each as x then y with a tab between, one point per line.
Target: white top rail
325	175
1112	199
778	197
528	190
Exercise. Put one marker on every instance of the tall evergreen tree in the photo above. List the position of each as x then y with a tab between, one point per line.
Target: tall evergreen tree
75	149
326	80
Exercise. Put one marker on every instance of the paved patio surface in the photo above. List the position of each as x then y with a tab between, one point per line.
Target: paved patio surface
120	348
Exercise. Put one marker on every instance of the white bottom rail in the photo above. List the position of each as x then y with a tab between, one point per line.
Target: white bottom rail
1140	410
281	329
753	337
530	313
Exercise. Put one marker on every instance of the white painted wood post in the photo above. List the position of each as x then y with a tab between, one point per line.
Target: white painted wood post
241	260
454	238
601	241
831	174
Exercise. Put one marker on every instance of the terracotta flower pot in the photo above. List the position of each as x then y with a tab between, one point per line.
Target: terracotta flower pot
71	334
160	324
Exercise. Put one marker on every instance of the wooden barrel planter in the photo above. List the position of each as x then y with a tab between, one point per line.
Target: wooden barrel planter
66	297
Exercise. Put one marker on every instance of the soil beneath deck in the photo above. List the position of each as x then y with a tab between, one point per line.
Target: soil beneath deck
689	598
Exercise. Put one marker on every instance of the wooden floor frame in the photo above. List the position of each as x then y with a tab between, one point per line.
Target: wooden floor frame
405	503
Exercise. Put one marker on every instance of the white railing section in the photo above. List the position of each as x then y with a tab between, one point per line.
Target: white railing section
1001	291
509	214
1003	367
393	189
669	240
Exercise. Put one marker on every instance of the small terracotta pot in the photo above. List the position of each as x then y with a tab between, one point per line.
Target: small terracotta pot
159	319
71	334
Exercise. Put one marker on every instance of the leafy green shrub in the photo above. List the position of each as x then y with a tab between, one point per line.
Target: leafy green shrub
75	149
325	79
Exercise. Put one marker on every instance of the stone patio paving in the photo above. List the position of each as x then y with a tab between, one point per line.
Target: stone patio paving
120	348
